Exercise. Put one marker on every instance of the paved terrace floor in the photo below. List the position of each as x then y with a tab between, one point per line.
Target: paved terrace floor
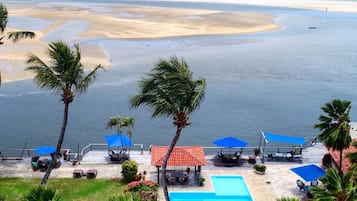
278	181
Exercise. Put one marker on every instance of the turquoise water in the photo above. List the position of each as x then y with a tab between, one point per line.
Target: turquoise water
226	188
230	185
273	81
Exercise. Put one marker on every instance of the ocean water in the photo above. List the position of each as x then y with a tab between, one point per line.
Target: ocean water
272	81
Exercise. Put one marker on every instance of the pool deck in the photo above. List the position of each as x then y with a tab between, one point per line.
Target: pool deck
277	182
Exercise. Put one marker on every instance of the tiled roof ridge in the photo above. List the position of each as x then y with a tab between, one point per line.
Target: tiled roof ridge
194	156
190	154
179	155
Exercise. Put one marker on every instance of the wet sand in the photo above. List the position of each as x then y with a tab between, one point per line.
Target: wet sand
136	22
123	22
78	22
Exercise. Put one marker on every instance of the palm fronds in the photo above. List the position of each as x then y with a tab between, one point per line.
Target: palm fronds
18	35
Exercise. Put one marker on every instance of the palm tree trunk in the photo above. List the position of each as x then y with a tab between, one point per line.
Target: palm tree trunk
59	145
340	166
164	163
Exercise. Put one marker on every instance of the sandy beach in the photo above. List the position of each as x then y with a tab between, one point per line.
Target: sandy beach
78	22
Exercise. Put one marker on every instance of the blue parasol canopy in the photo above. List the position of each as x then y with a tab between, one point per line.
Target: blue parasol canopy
45	150
118	140
230	142
309	172
283	138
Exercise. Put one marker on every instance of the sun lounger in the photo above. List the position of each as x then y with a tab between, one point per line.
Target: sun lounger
170	180
119	157
314	183
91	174
34	162
290	156
300	185
227	160
77	173
184	178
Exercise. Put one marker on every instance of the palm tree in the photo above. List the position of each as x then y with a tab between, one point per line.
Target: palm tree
335	127
169	90
15	35
129	123
65	75
336	188
121	122
115	121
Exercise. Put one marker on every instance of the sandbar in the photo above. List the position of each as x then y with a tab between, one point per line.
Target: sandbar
73	23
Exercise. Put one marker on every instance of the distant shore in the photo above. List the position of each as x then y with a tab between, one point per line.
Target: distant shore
136	22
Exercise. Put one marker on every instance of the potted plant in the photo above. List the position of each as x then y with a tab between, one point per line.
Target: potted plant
201	181
260	168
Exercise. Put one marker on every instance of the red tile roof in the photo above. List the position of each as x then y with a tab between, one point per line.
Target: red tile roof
346	163
180	156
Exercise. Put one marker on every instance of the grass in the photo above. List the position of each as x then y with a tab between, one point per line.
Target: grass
70	189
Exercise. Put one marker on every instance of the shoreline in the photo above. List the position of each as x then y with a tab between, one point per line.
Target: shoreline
123	21
133	22
320	5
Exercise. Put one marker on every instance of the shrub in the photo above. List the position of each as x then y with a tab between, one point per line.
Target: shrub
260	167
129	171
2	198
201	181
42	193
146	190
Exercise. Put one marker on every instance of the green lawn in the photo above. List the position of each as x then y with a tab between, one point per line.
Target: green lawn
70	189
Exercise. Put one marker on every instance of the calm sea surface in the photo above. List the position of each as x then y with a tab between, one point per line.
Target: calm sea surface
273	81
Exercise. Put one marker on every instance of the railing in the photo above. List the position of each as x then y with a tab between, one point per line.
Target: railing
10	154
101	146
78	154
215	150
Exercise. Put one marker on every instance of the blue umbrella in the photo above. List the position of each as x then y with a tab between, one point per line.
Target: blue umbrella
309	172
45	150
116	140
230	142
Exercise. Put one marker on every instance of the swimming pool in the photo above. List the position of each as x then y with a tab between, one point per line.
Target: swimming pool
226	188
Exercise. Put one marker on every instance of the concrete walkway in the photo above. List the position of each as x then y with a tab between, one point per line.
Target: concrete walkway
278	181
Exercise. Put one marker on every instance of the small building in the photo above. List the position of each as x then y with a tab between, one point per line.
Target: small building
180	156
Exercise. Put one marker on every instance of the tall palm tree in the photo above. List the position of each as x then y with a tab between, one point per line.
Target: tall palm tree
15	35
65	75
169	90
336	188
335	127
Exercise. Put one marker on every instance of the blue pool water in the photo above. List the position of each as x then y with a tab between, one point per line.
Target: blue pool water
226	188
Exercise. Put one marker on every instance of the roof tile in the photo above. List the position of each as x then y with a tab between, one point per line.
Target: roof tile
180	156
